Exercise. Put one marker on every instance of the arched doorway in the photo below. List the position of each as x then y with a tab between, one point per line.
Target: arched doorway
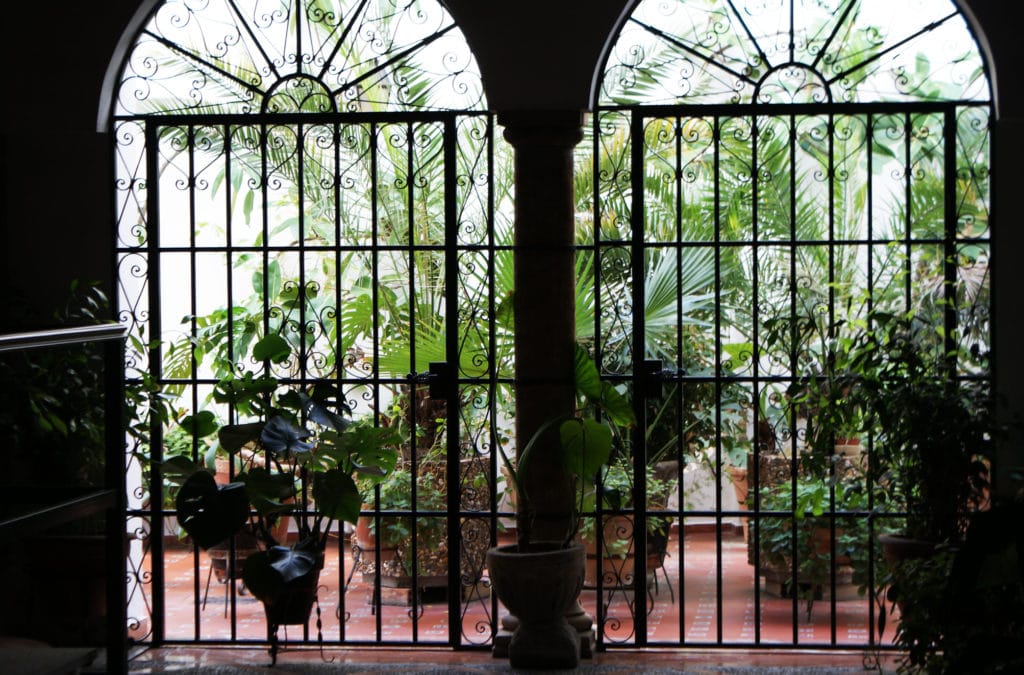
759	179
315	190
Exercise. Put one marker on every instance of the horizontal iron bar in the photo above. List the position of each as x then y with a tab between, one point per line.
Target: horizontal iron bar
786	109
305	119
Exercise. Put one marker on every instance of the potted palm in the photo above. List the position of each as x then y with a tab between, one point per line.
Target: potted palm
301	460
933	432
930	414
539	581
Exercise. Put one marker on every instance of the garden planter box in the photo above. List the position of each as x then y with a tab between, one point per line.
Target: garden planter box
395	563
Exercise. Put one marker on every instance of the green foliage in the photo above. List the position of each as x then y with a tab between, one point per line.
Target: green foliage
585	443
934	431
395	495
616	491
797	538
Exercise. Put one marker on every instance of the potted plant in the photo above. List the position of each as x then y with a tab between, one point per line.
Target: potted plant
301	459
382	545
797	541
539	581
933	432
388	559
930	414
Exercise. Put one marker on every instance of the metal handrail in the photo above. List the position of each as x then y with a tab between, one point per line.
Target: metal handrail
110	497
62	336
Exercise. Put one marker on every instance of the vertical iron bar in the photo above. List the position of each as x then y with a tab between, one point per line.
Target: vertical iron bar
230	319
375	366
908	208
115	481
868	442
191	136
300	153
678	393
754	480
116	464
414	388
264	260
831	173
339	360
300	290
950	252
638	222
451	387
794	462
717	239
155	366
599	606
492	369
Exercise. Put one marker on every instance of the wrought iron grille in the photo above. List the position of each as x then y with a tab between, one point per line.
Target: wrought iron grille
298	197
759	180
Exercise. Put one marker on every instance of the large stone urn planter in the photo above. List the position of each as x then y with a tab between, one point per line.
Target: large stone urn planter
539	587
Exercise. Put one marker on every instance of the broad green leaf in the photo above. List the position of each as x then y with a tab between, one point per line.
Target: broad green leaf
281	437
267	573
203	423
337	496
269	493
209	512
588	380
233	437
272	347
586	446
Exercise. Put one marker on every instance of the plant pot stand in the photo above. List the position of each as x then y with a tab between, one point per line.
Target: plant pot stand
540	587
293	607
577	618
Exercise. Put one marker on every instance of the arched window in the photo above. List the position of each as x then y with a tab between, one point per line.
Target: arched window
763	180
314	190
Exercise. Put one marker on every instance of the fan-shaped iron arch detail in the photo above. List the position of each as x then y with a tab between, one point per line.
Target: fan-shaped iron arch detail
228	56
739	51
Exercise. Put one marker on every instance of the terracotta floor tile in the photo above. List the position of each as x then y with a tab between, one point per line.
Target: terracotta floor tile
681	614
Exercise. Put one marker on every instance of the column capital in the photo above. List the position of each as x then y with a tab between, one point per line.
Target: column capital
556	128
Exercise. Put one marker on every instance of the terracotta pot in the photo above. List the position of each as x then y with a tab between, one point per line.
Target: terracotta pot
822	544
539	586
740	484
897	548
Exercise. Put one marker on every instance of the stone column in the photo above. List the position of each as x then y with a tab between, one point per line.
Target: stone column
545	337
544	305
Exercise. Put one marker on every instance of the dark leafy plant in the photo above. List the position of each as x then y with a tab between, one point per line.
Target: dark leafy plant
300	461
52	404
961	610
